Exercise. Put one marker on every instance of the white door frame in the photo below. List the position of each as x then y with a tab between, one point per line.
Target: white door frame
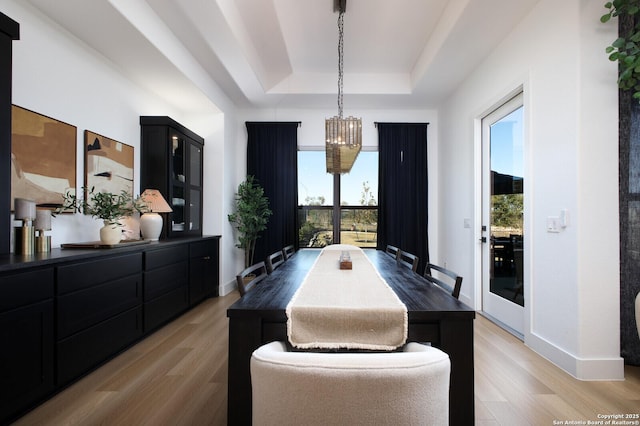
478	206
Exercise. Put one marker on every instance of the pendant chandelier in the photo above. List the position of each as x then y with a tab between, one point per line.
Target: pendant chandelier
343	135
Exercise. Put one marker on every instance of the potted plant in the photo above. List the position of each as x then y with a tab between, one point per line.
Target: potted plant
251	216
107	206
625	50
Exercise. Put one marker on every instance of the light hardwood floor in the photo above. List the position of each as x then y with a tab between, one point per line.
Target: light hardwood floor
178	375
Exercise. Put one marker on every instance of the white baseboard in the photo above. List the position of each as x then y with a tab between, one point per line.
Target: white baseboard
581	368
228	287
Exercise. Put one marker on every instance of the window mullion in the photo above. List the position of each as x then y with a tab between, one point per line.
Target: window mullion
336	208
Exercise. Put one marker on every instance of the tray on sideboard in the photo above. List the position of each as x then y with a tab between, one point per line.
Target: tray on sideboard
101	245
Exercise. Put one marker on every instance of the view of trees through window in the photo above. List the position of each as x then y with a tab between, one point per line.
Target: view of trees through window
358	201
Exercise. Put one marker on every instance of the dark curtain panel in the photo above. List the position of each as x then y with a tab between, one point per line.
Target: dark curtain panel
629	196
272	158
402	188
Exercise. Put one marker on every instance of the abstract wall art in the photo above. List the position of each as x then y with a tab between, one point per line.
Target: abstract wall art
108	164
43	157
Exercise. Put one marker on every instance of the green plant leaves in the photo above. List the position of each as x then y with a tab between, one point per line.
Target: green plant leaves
251	215
103	205
625	50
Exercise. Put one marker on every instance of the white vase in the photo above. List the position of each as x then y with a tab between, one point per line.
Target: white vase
151	226
110	233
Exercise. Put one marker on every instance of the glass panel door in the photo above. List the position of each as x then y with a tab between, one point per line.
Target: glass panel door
503	296
195	192
178	194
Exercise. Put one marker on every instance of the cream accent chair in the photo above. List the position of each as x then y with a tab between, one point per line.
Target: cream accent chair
311	388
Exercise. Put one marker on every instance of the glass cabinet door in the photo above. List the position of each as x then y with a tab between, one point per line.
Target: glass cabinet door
195	189
178	192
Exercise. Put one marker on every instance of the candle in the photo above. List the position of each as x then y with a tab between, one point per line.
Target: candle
43	220
25	209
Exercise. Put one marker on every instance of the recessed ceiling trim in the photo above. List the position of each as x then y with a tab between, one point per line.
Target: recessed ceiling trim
354	83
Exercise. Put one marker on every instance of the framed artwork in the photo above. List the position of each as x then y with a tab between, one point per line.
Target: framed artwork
108	164
43	157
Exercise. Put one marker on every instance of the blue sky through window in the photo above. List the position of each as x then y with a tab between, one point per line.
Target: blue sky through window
314	181
507	144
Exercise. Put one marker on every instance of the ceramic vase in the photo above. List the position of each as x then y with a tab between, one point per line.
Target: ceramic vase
110	233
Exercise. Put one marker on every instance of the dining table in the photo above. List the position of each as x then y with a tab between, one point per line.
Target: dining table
434	317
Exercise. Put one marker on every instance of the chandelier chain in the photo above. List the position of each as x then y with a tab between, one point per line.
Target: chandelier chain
340	59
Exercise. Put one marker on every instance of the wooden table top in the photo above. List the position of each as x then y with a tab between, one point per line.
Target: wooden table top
424	301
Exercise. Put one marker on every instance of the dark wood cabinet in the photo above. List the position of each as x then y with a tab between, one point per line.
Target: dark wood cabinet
171	162
203	270
64	313
9	31
98	311
26	333
165	285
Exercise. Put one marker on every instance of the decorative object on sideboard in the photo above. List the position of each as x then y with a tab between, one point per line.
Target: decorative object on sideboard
109	207
343	136
151	222
25	235
131	227
42	224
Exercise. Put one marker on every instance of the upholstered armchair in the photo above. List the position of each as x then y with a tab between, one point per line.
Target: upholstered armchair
312	388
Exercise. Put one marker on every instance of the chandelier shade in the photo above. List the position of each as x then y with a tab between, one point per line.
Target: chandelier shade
343	135
343	143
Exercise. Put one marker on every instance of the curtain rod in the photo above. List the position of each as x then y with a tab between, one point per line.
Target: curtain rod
375	123
299	123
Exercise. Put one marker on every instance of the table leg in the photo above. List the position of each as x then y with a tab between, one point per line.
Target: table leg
244	337
456	339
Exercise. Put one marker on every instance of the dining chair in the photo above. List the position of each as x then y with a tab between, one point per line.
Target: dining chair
453	288
288	251
408	259
274	260
314	388
392	251
251	276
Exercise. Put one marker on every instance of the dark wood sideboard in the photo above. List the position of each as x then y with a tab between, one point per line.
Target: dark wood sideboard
9	31
65	313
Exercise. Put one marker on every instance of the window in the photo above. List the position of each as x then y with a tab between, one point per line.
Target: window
358	201
315	200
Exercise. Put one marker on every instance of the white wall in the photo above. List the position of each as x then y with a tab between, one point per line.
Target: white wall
58	75
572	278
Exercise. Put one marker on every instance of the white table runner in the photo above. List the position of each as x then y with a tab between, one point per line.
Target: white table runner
352	309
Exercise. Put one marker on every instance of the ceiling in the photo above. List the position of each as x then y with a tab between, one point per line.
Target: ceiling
283	53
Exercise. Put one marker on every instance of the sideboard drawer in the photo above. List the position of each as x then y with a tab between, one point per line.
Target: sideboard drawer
163	280
81	275
85	308
23	288
165	307
166	256
81	352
